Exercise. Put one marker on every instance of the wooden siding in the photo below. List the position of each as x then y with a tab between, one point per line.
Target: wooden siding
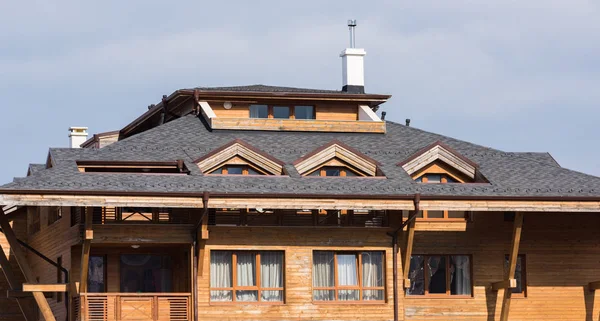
53	241
298	244
9	310
318	125
142	233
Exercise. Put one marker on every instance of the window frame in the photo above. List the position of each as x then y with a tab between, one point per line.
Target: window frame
257	287
343	172
292	111
359	287
245	170
523	293
448	293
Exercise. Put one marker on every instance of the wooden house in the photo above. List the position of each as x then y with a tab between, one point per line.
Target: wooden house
276	203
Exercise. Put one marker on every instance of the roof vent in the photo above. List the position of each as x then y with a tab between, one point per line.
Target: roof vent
77	136
353	73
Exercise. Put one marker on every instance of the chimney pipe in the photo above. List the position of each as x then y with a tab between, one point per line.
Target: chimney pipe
77	136
407	122
383	113
353	73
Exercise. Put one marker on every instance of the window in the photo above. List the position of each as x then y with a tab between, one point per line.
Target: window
236	170
54	214
436	178
97	274
520	275
304	112
440	275
348	276
246	276
333	171
59	279
259	111
281	112
146	273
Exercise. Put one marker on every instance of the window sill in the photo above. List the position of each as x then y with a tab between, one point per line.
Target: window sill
436	297
349	302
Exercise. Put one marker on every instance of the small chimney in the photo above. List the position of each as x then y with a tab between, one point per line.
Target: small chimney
77	136
353	69
407	122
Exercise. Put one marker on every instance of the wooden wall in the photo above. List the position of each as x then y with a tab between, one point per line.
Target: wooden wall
562	253
298	244
9	310
324	110
53	241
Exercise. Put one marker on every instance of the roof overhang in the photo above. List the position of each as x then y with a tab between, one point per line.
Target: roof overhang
300	201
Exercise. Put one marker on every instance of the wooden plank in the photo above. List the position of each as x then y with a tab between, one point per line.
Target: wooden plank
512	263
340	126
85	251
410	238
506	284
202	245
21	259
61	287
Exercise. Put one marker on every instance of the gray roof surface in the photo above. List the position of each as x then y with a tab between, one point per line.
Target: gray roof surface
509	174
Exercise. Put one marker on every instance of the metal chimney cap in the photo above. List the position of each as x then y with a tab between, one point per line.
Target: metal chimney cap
351	22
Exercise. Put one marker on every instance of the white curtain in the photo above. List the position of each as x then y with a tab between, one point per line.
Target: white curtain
323	274
347	276
372	270
271	275
461	276
246	276
220	275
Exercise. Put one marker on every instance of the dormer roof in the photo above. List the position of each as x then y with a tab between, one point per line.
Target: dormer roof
439	151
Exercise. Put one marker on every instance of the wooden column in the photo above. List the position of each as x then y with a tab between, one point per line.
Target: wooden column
512	264
19	254
88	235
410	237
202	237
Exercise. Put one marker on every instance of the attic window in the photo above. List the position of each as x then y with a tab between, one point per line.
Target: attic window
126	167
239	158
438	163
336	159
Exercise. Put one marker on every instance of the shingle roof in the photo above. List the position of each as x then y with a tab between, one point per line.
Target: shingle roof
187	138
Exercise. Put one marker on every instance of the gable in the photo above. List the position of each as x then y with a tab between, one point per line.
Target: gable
440	158
337	154
238	152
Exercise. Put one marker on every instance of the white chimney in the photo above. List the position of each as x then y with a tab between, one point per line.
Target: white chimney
77	136
353	66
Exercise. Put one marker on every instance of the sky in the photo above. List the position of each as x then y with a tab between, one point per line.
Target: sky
512	75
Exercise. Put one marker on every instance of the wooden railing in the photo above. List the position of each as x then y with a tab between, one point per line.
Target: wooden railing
135	307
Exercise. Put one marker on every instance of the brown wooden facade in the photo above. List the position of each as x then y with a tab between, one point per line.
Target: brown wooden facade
560	251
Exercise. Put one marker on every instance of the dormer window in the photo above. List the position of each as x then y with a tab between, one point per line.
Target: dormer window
281	112
333	171
130	167
236	170
438	163
239	158
337	160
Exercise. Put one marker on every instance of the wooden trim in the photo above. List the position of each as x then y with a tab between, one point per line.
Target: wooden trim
506	284
512	263
21	259
593	286
410	239
359	287
257	287
247	152
62	287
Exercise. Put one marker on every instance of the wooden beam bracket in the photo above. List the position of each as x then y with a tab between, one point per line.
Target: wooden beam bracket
61	287
506	284
593	286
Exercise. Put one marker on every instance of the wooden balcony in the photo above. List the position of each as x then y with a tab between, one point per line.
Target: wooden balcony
135	306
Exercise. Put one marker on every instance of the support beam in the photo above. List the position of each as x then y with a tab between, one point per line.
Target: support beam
21	259
506	285
512	263
593	286
203	236
410	238
85	250
61	287
14	285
